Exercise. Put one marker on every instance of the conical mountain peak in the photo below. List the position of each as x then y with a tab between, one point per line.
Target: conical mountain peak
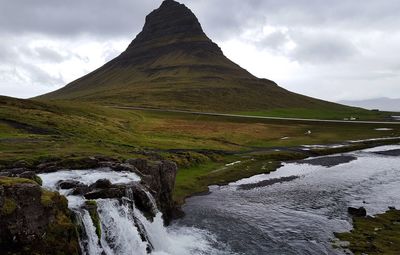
173	64
171	29
171	21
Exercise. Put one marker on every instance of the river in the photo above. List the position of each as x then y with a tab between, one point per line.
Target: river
299	215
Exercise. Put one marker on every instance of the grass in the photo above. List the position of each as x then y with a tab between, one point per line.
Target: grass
374	235
322	113
36	132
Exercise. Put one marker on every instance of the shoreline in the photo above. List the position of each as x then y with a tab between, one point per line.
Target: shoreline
292	154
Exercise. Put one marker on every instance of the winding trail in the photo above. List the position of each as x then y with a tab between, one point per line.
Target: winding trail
256	117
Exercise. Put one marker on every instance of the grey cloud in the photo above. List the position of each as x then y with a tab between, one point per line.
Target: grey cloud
37	75
333	38
275	41
66	18
50	55
319	48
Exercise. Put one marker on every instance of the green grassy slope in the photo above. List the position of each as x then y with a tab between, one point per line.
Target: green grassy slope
36	131
32	129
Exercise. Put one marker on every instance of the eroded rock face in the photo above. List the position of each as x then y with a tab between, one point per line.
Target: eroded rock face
34	221
172	27
159	177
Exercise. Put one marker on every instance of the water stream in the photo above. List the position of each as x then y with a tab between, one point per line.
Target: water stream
299	215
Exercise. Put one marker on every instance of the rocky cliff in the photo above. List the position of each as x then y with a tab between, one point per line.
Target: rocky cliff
33	220
37	221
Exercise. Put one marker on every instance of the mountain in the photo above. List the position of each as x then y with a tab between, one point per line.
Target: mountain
383	104
173	64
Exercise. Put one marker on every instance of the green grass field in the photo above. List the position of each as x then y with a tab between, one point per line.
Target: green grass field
34	131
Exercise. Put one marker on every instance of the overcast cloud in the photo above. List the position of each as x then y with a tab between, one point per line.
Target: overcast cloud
333	50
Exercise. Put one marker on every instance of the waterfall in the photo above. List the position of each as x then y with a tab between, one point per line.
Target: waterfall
125	230
89	240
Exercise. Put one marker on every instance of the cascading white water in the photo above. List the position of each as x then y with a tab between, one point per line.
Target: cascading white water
90	245
124	229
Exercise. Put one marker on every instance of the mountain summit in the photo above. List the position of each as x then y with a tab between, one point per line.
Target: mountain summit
173	64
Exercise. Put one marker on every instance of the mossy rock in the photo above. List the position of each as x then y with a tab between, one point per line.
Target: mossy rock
9	206
91	206
34	220
10	181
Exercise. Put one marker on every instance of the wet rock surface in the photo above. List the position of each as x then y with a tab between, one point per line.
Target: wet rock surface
159	178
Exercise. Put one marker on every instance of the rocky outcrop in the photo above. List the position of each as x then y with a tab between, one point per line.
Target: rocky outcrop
159	178
34	221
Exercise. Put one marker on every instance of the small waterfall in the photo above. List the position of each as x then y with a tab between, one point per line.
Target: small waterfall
89	240
125	230
120	235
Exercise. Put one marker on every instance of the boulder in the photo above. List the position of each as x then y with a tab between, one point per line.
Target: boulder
68	184
112	192
33	220
101	184
357	212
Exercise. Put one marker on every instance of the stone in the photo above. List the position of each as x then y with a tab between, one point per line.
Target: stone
357	212
34	221
101	184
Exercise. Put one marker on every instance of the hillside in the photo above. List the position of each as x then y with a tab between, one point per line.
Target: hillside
173	64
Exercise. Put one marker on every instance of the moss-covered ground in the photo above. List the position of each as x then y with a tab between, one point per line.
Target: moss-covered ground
375	235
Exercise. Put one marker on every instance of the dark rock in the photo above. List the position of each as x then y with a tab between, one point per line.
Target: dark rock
28	175
101	184
34	221
81	190
17	171
166	30
142	200
47	167
159	176
357	212
114	192
125	168
68	184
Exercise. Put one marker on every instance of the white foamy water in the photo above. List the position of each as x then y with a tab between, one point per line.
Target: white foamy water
88	177
125	230
382	148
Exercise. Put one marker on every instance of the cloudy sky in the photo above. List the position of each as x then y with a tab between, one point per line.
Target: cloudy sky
339	49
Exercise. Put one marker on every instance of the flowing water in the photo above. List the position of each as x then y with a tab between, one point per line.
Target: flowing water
299	215
294	210
124	229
